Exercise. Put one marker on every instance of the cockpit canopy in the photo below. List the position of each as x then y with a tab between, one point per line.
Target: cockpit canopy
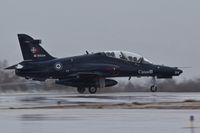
124	55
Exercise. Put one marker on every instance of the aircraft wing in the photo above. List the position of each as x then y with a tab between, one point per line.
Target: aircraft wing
79	78
86	75
99	70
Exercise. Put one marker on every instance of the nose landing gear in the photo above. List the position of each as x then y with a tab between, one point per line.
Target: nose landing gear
154	87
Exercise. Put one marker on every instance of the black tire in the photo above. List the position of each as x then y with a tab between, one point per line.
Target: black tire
92	90
81	90
154	88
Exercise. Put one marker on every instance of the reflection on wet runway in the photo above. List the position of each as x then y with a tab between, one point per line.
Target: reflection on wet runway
36	112
98	121
50	99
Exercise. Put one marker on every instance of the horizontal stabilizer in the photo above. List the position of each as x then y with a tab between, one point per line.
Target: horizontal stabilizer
11	67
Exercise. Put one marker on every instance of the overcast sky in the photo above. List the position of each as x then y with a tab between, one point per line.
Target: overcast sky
164	31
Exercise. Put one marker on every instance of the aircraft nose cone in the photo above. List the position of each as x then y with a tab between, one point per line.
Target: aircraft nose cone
178	71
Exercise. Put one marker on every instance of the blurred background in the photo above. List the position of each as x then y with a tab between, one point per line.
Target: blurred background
165	32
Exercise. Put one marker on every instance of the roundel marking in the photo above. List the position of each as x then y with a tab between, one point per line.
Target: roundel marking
33	50
58	66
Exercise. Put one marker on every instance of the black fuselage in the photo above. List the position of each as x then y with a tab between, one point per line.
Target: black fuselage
93	64
86	71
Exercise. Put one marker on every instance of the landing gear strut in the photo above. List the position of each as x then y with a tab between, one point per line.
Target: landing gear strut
81	90
154	87
92	90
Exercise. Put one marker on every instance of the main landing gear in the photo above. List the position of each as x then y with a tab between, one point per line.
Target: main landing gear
92	90
81	90
154	87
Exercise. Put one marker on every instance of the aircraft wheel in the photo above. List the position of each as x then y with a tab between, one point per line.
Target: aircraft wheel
154	88
92	90
81	90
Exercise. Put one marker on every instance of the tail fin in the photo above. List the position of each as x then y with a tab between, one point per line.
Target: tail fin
31	49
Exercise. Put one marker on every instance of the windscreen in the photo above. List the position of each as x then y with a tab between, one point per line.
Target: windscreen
128	56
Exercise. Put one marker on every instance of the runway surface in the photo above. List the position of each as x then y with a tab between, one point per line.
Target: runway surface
98	121
18	115
21	100
44	98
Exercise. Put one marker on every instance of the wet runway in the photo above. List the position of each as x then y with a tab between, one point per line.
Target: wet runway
21	100
62	120
98	121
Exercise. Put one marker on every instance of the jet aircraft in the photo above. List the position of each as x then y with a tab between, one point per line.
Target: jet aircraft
90	71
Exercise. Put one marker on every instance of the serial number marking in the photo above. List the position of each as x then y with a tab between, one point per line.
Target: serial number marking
39	55
145	72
